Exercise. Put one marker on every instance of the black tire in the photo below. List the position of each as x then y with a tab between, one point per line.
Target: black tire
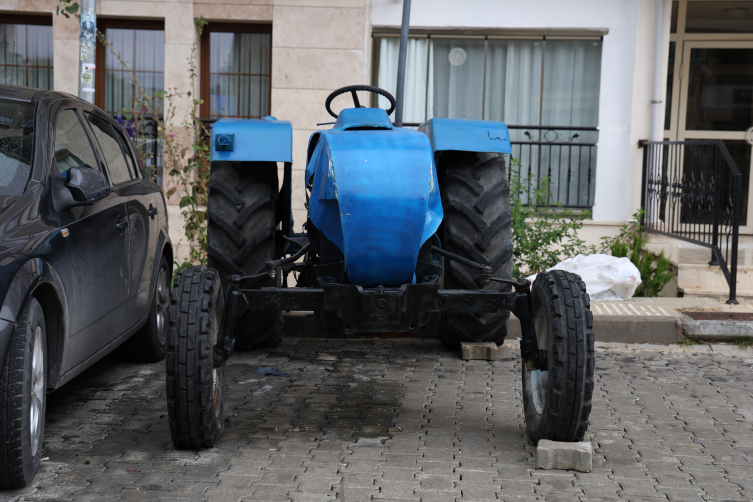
23	399
195	388
557	402
241	237
477	225
149	344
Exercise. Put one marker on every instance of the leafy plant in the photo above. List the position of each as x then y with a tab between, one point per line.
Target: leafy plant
542	233
686	342
656	271
67	8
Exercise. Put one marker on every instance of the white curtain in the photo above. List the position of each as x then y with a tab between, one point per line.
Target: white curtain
418	89
26	55
458	78
528	82
572	72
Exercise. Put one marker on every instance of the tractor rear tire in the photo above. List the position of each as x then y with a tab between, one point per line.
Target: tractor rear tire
241	238
477	225
195	388
557	399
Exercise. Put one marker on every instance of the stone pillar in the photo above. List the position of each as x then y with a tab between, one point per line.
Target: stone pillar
315	50
65	53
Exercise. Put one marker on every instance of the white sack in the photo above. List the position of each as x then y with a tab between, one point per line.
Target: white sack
606	277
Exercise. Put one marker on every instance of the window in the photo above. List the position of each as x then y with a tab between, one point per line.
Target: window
236	70
117	166
16	145
545	89
72	146
141	45
26	51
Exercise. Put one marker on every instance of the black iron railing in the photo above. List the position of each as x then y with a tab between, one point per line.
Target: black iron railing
692	190
565	155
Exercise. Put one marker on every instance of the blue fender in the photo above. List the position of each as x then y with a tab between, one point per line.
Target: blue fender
480	136
375	195
252	140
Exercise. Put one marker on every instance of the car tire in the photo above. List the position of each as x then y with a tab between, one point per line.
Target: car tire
23	399
477	225
557	402
241	238
195	388
149	344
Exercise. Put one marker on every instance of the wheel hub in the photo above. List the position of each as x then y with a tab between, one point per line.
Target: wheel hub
37	392
162	301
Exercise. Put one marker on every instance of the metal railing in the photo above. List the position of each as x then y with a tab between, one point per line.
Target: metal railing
552	152
692	190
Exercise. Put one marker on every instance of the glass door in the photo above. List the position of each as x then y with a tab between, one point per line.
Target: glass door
716	102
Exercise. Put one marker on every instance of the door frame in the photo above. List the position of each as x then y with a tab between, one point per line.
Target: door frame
680	103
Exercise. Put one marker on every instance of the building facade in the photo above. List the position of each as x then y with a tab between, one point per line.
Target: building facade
573	80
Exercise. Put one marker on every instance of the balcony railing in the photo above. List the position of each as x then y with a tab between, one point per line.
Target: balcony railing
566	156
692	190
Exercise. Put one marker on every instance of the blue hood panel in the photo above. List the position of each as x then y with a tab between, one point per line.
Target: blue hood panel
375	196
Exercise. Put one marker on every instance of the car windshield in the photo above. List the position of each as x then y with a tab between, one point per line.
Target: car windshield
16	144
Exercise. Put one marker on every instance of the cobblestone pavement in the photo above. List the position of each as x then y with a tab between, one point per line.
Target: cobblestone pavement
389	419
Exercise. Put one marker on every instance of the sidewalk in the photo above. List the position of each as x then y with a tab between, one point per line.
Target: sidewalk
634	321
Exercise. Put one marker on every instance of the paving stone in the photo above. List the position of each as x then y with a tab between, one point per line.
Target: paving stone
407	416
486	351
559	455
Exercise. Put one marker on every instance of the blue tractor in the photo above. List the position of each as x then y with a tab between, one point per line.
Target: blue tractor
403	226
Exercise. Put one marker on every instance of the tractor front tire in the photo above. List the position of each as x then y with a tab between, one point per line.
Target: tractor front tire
195	388
241	238
557	400
477	225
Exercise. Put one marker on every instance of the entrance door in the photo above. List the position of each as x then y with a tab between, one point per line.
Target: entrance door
716	102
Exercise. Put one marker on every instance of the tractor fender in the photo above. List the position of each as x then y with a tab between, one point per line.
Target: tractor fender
252	140
481	136
375	196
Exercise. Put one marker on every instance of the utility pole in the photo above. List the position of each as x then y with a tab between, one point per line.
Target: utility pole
401	62
88	50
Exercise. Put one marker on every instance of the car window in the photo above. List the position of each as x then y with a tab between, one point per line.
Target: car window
16	145
116	162
72	146
129	158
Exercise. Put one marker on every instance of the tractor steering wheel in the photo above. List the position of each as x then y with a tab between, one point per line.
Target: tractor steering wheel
352	89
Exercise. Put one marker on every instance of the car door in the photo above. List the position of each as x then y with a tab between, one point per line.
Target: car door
94	268
142	227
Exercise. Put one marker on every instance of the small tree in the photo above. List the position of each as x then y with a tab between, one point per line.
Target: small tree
542	234
656	271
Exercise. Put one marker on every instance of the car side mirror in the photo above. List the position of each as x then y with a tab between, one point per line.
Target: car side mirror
87	185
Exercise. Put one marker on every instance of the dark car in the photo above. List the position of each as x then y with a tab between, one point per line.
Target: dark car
85	258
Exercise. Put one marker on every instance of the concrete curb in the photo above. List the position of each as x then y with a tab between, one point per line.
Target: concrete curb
716	330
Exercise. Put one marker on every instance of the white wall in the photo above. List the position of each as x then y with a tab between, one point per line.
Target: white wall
625	64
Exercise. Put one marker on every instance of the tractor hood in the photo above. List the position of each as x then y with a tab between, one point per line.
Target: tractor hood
374	195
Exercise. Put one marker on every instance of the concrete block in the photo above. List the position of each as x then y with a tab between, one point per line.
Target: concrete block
486	351
569	456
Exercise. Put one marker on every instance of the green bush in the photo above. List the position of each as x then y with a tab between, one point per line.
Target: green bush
655	271
542	234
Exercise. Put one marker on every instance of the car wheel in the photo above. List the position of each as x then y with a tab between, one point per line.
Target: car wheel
149	344
23	397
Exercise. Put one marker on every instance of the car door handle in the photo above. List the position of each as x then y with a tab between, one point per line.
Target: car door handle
122	225
152	211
